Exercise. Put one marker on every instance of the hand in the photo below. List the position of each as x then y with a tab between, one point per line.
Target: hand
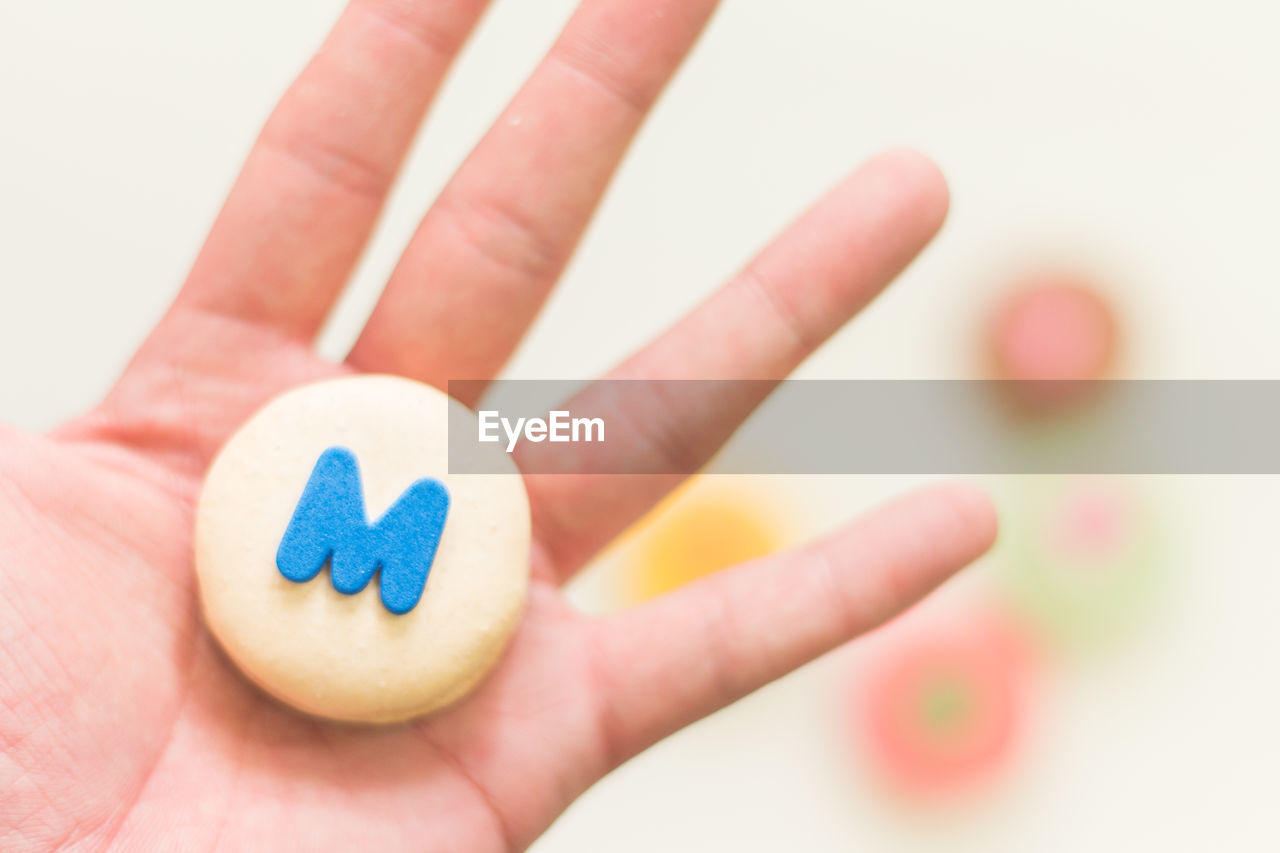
122	725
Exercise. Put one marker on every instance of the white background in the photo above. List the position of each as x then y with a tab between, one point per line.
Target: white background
1138	135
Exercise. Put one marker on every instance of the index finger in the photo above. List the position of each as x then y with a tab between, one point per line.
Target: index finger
311	189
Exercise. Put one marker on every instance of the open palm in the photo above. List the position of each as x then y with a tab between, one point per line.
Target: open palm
122	725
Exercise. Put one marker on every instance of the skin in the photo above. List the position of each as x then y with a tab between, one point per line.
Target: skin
121	724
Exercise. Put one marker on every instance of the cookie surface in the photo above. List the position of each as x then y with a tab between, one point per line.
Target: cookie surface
432	570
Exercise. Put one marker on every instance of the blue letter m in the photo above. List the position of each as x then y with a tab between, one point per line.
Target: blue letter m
330	526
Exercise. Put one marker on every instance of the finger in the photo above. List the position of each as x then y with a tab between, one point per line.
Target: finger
796	294
663	665
490	249
308	196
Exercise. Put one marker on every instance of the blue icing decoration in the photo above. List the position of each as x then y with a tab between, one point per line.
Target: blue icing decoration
330	526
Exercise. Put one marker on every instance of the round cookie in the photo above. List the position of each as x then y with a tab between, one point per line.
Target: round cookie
1055	338
317	524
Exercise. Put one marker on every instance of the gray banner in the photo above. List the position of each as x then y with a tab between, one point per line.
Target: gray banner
656	427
